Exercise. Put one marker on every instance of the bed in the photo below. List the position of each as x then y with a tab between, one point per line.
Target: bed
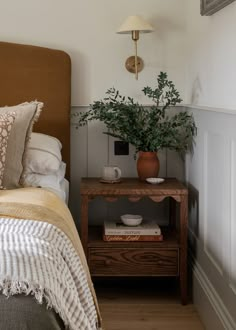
44	278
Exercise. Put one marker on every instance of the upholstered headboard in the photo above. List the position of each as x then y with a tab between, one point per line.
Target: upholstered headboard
30	73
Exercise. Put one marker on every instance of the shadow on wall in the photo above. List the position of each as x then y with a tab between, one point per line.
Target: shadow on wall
193	232
196	91
193	227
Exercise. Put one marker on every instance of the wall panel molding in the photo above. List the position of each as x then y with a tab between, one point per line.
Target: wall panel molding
214	173
232	274
214	299
211	109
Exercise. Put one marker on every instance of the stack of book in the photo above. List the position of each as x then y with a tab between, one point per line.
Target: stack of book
146	231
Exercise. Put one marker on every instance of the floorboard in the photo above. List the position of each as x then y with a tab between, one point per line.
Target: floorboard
144	304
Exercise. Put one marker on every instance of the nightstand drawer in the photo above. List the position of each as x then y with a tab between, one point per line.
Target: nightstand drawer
133	262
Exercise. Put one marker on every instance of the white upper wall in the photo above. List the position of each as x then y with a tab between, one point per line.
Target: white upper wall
211	57
87	31
199	53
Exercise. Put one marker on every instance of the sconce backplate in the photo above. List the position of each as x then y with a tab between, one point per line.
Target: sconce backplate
130	64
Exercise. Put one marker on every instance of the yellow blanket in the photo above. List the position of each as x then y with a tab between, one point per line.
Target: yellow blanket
43	205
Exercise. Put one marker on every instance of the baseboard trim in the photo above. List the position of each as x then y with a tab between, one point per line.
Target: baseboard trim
214	299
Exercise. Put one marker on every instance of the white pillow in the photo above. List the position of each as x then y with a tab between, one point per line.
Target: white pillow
46	181
44	154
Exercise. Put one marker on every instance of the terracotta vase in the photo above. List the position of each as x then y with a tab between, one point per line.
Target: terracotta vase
147	165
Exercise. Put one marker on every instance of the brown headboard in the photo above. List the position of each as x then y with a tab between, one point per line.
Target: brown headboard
30	73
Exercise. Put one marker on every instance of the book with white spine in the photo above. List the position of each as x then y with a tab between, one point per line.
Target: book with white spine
147	227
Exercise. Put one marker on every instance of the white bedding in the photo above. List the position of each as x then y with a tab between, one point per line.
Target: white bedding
65	186
63	192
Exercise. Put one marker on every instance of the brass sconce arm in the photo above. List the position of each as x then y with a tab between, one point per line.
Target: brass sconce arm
135	25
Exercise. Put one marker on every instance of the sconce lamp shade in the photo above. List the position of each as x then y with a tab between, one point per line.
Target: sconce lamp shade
135	23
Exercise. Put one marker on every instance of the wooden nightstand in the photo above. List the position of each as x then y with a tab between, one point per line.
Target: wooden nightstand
166	258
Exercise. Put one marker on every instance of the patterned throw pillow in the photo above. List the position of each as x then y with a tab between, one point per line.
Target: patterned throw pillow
26	114
6	122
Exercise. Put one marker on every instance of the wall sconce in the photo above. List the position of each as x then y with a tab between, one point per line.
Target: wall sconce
135	25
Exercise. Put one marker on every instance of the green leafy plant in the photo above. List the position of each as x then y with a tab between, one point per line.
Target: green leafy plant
147	128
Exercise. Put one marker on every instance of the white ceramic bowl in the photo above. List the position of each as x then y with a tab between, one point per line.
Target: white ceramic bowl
131	219
155	180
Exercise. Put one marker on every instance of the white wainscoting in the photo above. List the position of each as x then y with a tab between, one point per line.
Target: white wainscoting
233	216
212	224
90	151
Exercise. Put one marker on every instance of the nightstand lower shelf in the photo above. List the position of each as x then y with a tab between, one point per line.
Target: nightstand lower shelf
133	258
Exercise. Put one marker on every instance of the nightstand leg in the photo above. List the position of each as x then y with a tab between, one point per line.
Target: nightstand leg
183	247
172	213
84	223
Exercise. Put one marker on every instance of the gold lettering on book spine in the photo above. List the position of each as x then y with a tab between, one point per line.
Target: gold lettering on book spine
127	238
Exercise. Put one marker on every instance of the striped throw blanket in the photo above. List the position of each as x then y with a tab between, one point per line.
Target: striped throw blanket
37	258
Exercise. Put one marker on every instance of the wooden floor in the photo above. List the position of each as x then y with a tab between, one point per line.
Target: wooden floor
144	304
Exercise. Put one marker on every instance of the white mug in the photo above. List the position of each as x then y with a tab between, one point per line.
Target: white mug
111	173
